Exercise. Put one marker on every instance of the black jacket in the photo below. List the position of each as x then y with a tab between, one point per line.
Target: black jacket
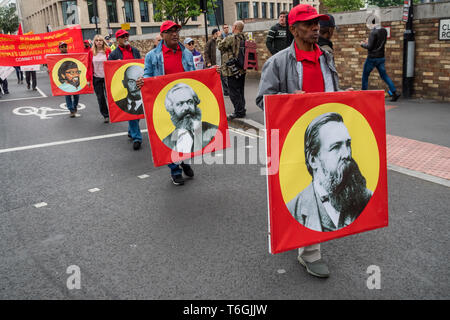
375	45
277	38
118	55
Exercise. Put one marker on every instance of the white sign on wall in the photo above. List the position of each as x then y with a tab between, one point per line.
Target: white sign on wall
444	29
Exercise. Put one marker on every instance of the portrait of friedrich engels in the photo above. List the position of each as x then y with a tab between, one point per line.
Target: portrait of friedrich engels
337	194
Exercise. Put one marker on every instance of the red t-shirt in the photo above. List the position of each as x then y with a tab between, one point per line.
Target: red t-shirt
126	52
172	60
312	73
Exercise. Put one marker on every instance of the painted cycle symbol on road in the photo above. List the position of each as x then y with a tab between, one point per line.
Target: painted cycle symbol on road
45	112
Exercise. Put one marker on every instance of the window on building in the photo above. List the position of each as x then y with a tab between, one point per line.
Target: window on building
264	10
93	10
70	12
255	10
155	12
278	9
284	6
242	10
272	13
111	9
129	12
143	8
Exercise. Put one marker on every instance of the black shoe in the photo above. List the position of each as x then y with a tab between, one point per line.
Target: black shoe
107	121
178	180
137	145
235	116
394	96
187	170
34	89
28	86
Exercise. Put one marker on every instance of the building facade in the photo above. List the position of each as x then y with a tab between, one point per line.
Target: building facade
107	16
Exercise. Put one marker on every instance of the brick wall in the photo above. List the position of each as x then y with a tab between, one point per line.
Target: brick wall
432	57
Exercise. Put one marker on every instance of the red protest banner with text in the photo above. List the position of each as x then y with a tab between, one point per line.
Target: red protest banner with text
327	173
124	98
67	74
29	49
185	115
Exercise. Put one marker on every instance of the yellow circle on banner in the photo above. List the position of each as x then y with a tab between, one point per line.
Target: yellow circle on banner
80	66
118	90
293	174
208	105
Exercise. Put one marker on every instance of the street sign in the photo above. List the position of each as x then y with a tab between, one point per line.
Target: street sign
125	26
444	29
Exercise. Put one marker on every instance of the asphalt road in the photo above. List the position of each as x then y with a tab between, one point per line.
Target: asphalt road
144	238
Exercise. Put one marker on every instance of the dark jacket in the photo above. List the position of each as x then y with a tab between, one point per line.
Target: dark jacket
229	48
210	52
277	38
325	44
118	55
376	42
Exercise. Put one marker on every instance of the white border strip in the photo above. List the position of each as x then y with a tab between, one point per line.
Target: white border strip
419	175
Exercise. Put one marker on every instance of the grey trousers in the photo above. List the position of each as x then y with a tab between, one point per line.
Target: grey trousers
310	253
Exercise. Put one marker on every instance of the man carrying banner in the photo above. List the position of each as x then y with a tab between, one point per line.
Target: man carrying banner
71	104
301	68
125	51
170	56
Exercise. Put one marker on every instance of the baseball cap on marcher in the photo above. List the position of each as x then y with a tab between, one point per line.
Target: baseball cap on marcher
304	12
121	33
188	40
328	23
167	25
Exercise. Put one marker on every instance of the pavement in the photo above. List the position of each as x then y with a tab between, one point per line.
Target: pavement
74	194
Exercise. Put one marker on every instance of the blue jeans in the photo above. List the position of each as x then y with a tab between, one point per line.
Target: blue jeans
379	64
176	168
72	106
134	131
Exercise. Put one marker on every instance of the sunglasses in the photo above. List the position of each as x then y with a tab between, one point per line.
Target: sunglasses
191	43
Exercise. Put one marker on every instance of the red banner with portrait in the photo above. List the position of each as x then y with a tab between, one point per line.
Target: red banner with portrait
327	175
29	49
68	74
185	115
124	98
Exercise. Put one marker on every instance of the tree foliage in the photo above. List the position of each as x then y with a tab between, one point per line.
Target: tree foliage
343	5
388	3
9	22
180	11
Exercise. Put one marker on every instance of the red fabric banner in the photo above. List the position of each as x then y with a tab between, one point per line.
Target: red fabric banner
68	73
124	99
185	115
23	50
327	175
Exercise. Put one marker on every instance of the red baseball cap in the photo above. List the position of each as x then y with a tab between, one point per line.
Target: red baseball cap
304	12
121	32
167	25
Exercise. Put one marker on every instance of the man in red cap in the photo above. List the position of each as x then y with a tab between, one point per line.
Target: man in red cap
125	51
301	68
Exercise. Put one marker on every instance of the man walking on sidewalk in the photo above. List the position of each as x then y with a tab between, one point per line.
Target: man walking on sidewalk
375	59
125	51
301	68
277	36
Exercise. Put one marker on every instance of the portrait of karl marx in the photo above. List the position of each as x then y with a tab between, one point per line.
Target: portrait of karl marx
337	194
191	133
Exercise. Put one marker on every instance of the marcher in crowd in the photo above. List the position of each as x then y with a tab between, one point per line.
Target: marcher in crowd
226	32
100	53
30	78
88	50
156	41
198	58
125	51
236	76
170	57
318	74
326	32
19	75
71	100
375	59
277	36
214	57
111	44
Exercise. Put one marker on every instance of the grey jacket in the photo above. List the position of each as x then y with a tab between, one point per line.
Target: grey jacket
282	73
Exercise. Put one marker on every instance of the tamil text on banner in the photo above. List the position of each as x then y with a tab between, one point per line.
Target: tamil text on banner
68	74
327	175
185	115
22	50
124	97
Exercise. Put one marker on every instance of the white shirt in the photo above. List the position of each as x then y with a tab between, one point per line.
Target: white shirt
185	142
332	212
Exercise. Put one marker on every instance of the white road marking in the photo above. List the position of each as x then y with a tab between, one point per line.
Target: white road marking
281	271
41	92
94	190
18	99
143	176
40	204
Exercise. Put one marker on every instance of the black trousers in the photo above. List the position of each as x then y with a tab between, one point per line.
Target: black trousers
236	91
100	91
31	75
